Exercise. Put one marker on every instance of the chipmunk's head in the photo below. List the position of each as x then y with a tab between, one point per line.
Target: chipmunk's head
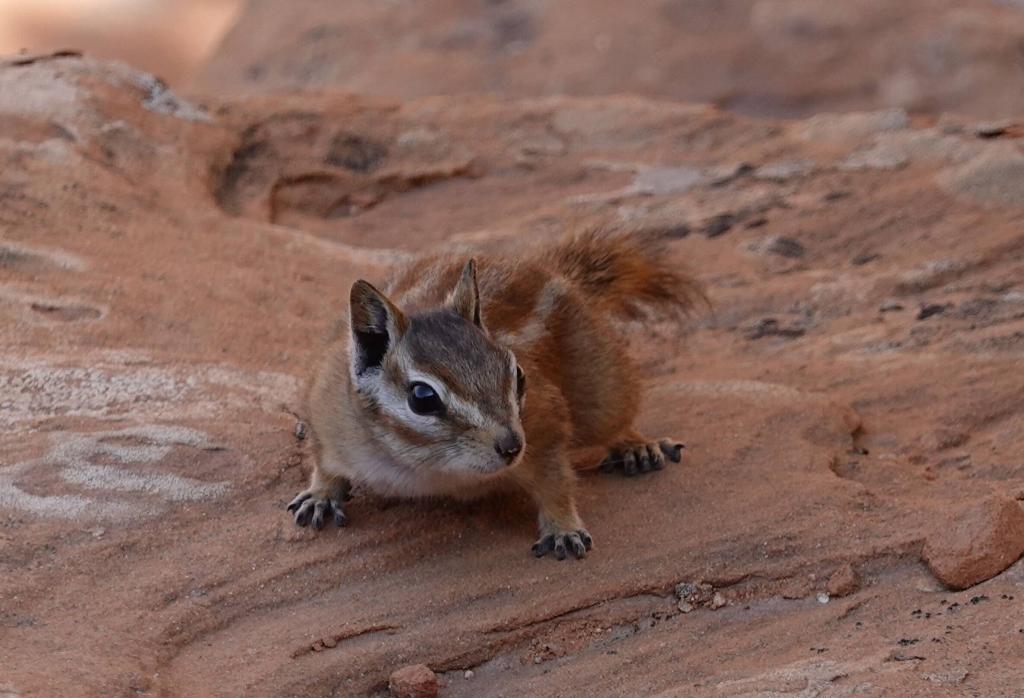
440	392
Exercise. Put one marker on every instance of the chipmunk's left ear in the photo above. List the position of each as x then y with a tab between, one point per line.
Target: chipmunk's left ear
465	298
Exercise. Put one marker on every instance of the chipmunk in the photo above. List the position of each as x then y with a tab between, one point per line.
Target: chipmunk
467	375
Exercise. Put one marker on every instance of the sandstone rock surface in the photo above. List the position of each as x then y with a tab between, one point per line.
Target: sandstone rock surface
169	267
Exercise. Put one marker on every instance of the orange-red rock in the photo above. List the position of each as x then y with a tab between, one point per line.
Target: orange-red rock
843	582
414	681
169	267
980	542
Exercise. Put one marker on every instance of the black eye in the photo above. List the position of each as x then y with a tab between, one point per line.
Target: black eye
520	381
424	400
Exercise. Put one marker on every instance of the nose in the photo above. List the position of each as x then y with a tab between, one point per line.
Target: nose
509	446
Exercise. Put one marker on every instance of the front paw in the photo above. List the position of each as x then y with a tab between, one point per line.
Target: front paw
313	506
560	542
642	456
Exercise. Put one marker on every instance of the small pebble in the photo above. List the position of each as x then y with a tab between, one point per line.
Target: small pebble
468	674
823	597
415	681
843	582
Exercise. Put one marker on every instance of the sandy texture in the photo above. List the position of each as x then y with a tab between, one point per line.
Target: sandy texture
769	57
168	270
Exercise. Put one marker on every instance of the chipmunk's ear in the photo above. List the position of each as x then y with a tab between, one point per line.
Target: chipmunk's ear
465	298
376	325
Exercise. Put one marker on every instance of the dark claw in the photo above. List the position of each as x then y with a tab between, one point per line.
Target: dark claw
657	459
304	513
560	548
643	460
588	542
319	510
544	546
340	520
629	464
674	452
576	543
299	499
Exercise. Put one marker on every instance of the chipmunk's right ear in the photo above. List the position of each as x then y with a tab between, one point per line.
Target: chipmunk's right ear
376	326
465	297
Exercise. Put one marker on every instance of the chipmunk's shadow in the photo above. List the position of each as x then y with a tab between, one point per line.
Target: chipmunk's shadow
508	510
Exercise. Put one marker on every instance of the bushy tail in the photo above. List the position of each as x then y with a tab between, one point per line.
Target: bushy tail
631	275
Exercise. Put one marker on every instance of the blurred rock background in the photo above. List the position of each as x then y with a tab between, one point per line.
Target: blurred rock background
168	37
780	58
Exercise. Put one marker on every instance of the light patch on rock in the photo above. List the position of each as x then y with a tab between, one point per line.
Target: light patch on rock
33	390
784	170
659	181
994	178
75	455
833	297
947	678
162	100
46	309
929	146
809	679
746	388
881	156
418	138
928	275
648	181
851	128
47	256
22	93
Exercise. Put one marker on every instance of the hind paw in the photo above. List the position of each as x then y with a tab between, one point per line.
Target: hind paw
642	457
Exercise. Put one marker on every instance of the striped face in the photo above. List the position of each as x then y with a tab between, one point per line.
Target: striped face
440	394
